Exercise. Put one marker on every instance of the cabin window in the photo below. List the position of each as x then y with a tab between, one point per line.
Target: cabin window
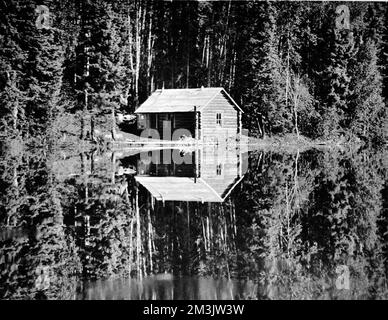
141	124
219	169
219	119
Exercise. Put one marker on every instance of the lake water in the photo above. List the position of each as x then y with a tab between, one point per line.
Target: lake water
210	223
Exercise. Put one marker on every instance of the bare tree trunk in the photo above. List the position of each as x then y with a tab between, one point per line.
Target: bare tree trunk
144	263
209	63
288	68
82	135
232	222
113	123
204	51
149	53
223	54
130	247
138	48
113	168
208	233
12	80
210	226
288	221
204	233
296	183
130	47
150	239
296	102
233	70
15	111
138	236
92	162
188	56
92	137
86	97
296	118
83	115
188	239
130	40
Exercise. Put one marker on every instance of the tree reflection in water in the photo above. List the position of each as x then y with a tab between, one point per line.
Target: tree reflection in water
166	287
299	225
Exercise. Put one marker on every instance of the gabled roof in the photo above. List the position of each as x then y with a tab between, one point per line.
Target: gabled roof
184	189
181	100
178	189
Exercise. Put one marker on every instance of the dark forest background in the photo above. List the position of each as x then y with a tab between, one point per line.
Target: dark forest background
295	218
288	62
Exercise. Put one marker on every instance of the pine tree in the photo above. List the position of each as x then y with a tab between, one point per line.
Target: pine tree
100	67
42	80
108	67
336	78
366	113
264	96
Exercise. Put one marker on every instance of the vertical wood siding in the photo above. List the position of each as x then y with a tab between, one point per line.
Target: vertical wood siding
229	127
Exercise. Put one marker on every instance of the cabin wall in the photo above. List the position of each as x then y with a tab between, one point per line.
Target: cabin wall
219	168
210	130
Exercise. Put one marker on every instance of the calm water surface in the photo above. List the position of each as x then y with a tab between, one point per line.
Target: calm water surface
216	223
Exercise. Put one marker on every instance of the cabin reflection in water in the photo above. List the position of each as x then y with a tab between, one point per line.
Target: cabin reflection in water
183	203
206	175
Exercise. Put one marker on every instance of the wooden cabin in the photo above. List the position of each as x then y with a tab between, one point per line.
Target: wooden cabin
207	113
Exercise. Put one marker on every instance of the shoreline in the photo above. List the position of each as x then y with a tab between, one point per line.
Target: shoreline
285	143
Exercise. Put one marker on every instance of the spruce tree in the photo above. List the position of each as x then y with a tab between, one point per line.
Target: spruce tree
43	66
107	67
338	78
265	97
100	66
366	114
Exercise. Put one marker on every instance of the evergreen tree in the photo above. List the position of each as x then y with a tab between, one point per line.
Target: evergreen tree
43	66
100	67
366	115
338	81
106	67
265	96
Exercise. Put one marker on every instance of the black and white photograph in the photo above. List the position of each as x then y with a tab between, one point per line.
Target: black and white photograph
217	151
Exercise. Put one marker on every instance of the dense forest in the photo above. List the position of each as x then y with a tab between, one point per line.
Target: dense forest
297	218
317	69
